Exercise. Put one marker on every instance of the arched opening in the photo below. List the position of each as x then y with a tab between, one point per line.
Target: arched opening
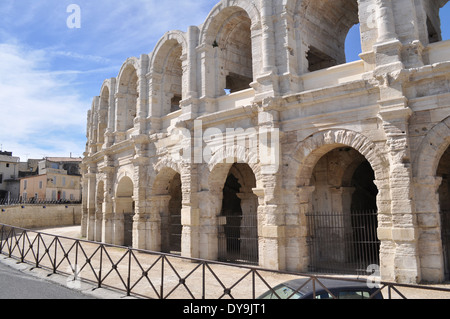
99	210
324	26
343	218
167	203
444	14
124	210
128	96
353	44
172	80
171	227
443	171
437	14
233	51
238	229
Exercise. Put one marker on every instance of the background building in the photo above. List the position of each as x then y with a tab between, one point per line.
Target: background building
358	152
9	176
57	179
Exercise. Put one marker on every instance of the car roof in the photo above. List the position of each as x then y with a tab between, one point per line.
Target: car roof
330	284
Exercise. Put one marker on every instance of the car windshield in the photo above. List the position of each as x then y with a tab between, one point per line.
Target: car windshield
282	292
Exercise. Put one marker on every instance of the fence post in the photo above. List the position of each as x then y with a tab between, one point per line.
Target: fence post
129	273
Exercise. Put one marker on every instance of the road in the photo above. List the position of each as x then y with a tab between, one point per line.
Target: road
15	284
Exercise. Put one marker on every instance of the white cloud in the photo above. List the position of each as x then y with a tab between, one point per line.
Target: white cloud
41	113
49	73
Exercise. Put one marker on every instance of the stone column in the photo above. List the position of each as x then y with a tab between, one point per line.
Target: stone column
429	223
108	204
385	21
190	212
404	232
142	101
91	184
141	209
209	207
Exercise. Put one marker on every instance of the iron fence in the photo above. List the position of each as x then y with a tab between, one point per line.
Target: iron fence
34	201
238	239
156	275
343	243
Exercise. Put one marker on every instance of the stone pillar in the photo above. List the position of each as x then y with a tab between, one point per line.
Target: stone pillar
108	204
271	230
404	232
142	101
385	21
190	212
209	206
141	207
91	191
84	211
429	223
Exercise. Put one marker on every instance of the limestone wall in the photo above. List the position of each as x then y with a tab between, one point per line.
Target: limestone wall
34	216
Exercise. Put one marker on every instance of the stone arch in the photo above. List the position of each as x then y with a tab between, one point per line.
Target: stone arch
211	25
162	48
124	211
300	189
168	73
224	158
127	94
231	37
241	163
427	201
104	106
431	149
321	28
433	25
166	202
309	151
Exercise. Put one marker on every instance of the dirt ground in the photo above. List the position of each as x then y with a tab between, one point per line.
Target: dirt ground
171	277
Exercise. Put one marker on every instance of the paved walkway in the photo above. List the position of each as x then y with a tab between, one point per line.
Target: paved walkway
182	279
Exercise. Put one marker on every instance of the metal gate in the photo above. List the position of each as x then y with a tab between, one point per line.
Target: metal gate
343	243
175	230
238	239
128	229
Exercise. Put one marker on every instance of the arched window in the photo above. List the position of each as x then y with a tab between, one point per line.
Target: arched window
353	44
445	22
324	27
231	37
437	13
128	96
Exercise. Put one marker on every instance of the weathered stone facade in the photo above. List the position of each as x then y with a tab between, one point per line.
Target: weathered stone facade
159	158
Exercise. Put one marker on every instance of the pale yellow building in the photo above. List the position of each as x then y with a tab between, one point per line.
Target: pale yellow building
58	180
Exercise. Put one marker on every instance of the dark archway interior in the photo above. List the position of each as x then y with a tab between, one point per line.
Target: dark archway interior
443	171
238	232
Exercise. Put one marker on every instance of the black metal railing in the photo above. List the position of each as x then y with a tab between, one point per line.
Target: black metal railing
343	243
35	201
156	275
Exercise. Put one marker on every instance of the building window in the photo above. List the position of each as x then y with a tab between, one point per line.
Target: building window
40	184
25	184
1	178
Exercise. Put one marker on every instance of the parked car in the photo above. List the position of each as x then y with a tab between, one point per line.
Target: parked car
340	289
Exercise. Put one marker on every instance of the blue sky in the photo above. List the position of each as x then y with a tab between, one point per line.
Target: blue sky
49	73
